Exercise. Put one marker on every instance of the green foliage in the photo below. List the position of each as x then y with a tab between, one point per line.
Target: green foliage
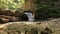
44	13
11	4
46	9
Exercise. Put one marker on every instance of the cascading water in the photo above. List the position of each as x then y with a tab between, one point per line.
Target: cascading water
30	16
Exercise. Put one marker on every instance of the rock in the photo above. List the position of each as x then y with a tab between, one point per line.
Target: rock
46	31
6	12
9	13
4	19
2	11
13	19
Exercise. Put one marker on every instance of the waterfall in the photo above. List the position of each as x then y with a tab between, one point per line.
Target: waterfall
30	16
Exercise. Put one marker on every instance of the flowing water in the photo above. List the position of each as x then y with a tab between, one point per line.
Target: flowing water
30	16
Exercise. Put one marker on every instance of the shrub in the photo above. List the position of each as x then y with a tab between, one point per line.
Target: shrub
45	13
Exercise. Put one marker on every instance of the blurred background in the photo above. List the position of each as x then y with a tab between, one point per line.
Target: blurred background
40	9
